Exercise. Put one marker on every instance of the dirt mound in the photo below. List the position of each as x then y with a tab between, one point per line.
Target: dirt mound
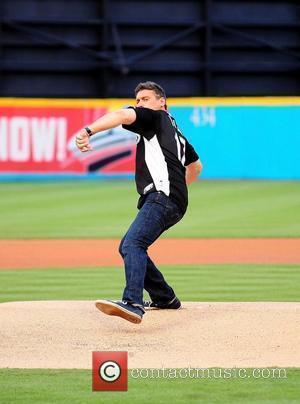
63	334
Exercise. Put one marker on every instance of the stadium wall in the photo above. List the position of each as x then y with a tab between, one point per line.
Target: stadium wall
236	138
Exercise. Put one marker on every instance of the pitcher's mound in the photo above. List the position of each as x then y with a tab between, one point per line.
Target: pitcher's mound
63	334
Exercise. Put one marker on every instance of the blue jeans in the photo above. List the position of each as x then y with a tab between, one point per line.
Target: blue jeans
156	215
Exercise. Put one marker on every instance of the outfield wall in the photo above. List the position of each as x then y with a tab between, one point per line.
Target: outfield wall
236	138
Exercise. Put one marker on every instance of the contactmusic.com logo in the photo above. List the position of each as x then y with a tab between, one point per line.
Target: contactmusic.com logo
110	371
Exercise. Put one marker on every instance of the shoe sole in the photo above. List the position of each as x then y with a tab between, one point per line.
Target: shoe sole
112	309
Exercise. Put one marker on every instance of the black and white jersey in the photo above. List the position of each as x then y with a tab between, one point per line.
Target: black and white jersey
161	156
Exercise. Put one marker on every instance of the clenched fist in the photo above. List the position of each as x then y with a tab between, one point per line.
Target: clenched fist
83	141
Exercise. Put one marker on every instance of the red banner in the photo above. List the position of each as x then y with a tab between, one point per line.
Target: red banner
42	140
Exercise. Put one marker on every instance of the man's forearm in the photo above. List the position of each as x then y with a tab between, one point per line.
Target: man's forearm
190	177
107	121
111	120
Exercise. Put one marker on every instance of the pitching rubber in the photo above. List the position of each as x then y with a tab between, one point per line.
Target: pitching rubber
113	309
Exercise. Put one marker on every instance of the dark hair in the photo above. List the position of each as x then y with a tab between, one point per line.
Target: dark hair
150	85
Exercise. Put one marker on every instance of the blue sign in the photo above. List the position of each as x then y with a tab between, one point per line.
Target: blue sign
244	142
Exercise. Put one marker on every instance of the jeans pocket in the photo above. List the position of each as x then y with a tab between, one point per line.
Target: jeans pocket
161	198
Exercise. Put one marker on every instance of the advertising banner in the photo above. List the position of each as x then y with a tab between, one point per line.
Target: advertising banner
234	137
42	140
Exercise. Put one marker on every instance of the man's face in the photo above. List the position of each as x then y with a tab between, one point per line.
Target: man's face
149	99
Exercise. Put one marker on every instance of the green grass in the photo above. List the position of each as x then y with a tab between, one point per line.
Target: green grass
74	386
191	283
74	209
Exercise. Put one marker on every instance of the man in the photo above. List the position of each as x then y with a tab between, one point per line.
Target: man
165	163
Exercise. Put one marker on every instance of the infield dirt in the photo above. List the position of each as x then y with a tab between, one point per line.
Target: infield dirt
19	254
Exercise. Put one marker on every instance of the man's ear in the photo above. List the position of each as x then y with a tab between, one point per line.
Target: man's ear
162	101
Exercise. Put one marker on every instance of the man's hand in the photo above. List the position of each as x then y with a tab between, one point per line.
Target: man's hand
83	141
192	171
